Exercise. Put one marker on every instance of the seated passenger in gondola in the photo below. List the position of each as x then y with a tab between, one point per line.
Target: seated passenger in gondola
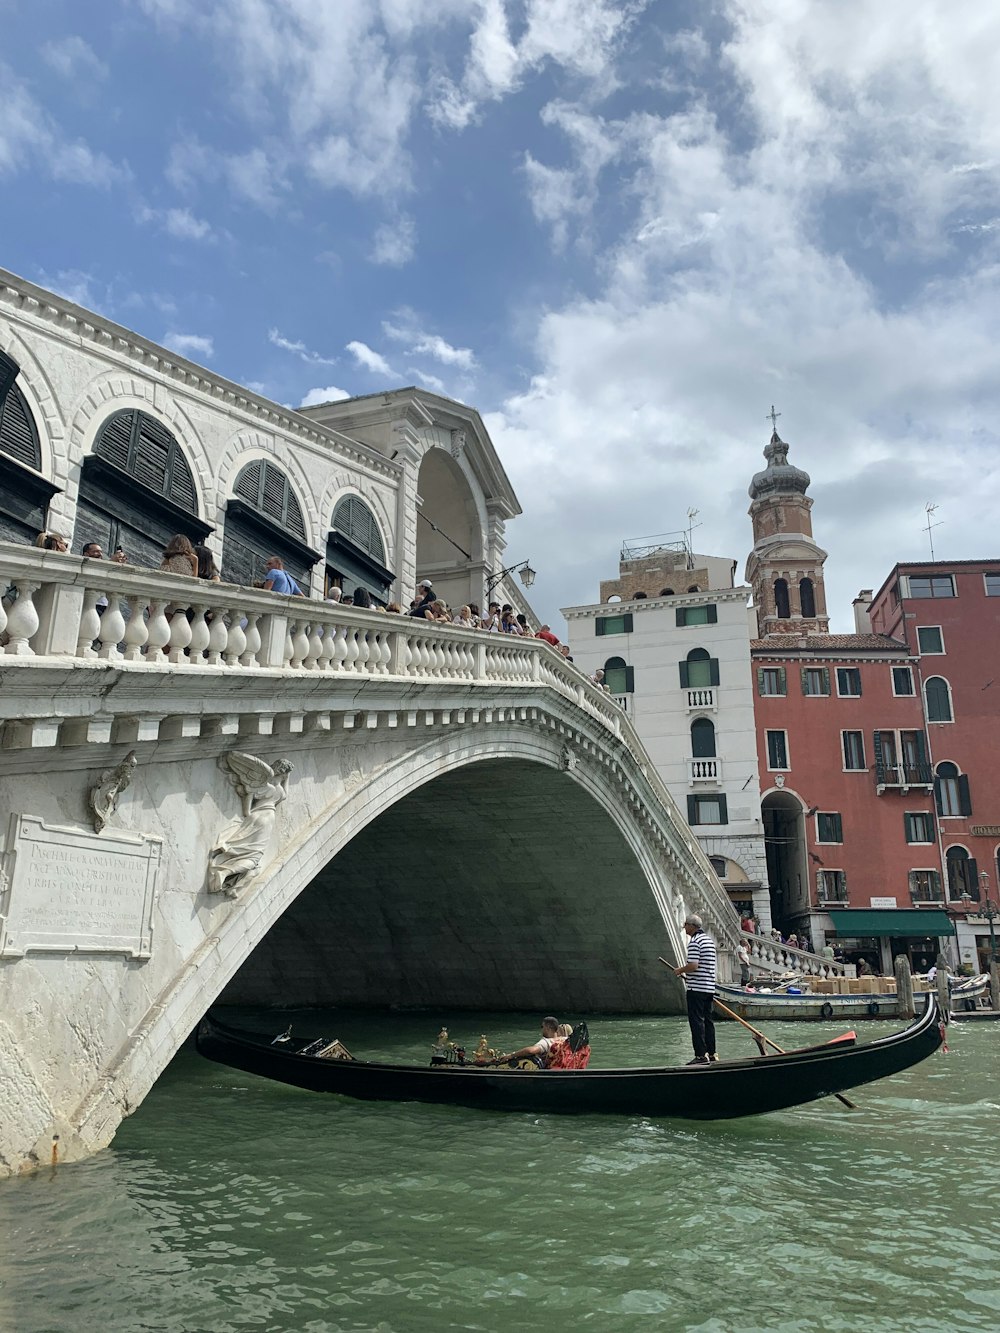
541	1049
571	1048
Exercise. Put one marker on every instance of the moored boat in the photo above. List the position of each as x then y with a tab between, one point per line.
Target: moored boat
800	1006
724	1090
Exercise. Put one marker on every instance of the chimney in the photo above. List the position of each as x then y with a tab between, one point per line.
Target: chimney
861	604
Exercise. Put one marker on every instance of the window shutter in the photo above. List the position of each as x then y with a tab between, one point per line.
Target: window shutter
599	626
972	870
18	437
8	374
921	748
964	795
783	679
760	680
684	675
877	748
804	679
629	680
723	810
826	680
713	670
938	799
248	483
692	809
713	614
628	622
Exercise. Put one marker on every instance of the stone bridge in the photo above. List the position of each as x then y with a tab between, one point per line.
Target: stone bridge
467	822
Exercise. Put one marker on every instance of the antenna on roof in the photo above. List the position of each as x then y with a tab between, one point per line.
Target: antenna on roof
930	510
692	515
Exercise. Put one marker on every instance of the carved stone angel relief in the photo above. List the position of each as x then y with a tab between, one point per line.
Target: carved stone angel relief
236	859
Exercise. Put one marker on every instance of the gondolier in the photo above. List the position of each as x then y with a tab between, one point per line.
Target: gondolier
699	973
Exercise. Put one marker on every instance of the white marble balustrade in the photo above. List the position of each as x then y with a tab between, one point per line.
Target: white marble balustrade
767	953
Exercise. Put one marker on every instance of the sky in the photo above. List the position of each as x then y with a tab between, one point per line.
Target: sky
621	230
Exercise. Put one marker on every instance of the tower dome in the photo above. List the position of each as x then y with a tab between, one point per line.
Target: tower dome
779	475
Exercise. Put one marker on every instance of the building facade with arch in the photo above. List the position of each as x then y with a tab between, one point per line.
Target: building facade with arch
106	437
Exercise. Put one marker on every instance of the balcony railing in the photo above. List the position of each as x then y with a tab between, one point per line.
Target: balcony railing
624	702
704	770
903	775
701	699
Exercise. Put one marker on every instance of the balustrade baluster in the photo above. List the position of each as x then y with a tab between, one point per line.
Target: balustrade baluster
218	638
90	624
200	634
252	631
325	661
299	640
22	620
385	652
315	653
180	635
289	650
339	662
353	649
236	639
112	631
364	650
136	631
158	629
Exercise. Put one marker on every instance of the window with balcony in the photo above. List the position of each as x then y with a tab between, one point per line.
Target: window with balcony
937	692
932	585
613	624
815	680
918	826
619	678
951	791
709	809
925	887
698	670
963	874
697	615
849	682
854	751
901	759
777	750
930	640
831	886
702	738
829	827
902	681
771	682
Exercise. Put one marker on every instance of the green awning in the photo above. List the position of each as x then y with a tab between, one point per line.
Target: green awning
886	921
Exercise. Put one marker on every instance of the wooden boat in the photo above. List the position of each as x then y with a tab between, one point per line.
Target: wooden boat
720	1091
755	1005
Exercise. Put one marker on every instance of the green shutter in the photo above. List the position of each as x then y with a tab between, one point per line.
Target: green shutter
629	680
684	675
760	681
713	614
723	809
627	627
826	680
681	620
973	874
599	625
938	797
783	680
964	795
803	680
713	670
692	809
8	374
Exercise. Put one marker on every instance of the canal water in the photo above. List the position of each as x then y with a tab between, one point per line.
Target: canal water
231	1203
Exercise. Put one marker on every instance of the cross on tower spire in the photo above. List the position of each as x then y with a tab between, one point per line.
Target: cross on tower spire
773	416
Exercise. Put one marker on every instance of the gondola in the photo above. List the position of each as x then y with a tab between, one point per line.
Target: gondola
721	1091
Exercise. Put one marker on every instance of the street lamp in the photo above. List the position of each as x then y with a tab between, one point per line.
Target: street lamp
524	572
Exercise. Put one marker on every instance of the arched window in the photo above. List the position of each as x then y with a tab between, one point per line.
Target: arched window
355	521
963	874
264	486
264	519
666	592
951	790
781	599
938	695
24	495
807	598
694	588
638	596
140	445
619	678
719	865
699	671
18	436
702	738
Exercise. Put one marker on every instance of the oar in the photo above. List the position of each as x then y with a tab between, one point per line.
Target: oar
761	1040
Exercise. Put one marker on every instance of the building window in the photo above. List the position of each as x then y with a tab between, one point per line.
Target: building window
849	682
719	865
919	827
951	791
930	639
18	435
831	886
932	585
925	886
902	681
777	750
781	599
807	598
355	521
963	874
697	615
829	828
938	695
269	491
619	678
614	624
699	671
138	444
666	592
707	809
771	682
702	738
992	582
815	680
854	751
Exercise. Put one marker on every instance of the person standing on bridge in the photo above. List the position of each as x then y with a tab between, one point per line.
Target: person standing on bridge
699	973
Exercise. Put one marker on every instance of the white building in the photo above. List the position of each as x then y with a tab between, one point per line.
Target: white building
672	635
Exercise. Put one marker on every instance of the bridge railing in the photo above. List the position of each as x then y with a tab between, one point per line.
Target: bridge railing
55	605
767	953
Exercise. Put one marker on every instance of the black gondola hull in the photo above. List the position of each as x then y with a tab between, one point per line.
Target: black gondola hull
722	1091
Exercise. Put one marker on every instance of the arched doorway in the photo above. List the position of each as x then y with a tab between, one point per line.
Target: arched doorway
264	519
783	817
136	490
355	551
24	493
449	531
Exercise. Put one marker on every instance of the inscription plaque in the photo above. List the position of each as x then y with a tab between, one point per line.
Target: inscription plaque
70	890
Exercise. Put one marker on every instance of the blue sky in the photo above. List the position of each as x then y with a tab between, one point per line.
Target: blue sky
621	230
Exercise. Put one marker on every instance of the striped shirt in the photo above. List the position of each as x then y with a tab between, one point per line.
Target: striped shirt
701	950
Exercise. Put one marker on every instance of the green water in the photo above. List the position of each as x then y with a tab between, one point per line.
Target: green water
228	1202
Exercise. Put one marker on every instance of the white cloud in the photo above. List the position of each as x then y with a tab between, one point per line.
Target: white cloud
370	360
31	139
192	345
428	381
72	58
394	242
299	349
405	328
180	223
331	394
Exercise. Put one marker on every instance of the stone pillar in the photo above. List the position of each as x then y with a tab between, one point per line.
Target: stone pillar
904	986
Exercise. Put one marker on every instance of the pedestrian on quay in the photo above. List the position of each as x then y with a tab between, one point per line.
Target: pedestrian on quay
699	973
743	955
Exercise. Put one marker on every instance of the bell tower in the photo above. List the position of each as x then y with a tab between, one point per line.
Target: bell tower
785	567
